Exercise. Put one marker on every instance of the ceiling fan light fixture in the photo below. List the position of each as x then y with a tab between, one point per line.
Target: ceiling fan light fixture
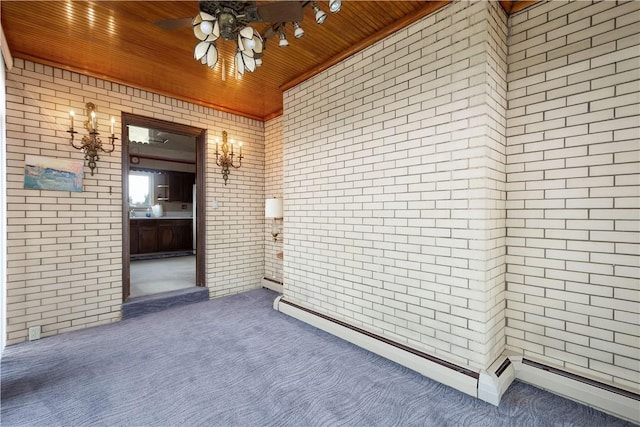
335	5
320	15
258	42
246	39
232	21
206	53
297	30
206	27
212	56
239	64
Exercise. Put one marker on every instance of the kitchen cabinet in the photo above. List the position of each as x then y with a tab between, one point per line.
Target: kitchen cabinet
165	236
147	237
181	186
160	235
183	235
134	231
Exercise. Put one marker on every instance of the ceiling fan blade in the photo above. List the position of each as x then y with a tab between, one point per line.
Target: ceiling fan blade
174	24
285	11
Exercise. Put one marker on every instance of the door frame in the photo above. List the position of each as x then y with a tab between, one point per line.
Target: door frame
165	126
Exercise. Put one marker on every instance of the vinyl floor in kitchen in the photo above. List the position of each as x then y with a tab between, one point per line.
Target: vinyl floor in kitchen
153	276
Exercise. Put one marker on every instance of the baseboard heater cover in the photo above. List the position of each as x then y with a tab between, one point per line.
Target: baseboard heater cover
487	385
272	284
495	381
605	397
458	377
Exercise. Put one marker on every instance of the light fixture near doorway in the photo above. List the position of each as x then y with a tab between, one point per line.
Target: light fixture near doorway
225	158
91	143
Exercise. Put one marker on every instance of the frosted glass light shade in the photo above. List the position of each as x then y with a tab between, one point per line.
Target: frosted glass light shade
273	208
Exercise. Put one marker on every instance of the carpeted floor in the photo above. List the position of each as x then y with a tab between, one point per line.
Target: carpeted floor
235	361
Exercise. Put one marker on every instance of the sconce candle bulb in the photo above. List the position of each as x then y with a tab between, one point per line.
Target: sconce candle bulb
91	144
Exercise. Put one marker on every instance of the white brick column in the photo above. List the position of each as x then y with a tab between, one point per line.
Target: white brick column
394	177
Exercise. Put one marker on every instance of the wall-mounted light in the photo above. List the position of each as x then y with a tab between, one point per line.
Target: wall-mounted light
91	144
273	210
225	159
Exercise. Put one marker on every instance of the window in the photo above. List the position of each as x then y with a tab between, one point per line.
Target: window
140	189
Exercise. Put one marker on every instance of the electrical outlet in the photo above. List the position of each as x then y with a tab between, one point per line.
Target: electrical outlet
34	333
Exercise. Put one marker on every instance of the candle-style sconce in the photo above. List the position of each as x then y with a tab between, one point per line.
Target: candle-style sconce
91	144
225	159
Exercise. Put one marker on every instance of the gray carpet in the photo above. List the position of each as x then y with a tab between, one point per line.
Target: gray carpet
235	361
140	306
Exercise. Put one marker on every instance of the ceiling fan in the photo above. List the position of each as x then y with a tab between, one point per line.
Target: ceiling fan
230	20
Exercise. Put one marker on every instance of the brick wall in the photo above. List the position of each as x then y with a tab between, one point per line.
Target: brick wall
3	207
574	187
394	181
65	249
273	188
493	213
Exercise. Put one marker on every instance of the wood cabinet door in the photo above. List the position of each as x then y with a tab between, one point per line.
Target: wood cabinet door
183	236
176	187
134	230
148	237
166	236
181	186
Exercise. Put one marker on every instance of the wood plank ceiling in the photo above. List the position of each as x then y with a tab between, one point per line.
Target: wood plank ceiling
118	41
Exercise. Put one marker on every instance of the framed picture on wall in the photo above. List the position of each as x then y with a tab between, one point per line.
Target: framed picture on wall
51	173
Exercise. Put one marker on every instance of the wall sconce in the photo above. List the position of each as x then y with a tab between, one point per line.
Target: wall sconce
273	210
91	143
225	159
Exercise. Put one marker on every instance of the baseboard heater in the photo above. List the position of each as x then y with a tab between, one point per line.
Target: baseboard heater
401	346
605	397
487	385
458	377
272	284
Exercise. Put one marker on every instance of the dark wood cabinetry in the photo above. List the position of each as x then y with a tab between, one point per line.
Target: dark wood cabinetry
160	235
147	237
134	231
181	186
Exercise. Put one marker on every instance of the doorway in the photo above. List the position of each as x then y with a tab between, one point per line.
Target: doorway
163	206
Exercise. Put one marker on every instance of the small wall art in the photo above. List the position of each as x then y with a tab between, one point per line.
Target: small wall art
51	173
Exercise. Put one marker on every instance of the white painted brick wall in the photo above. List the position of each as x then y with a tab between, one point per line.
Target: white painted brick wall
394	181
3	208
65	249
574	188
273	188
